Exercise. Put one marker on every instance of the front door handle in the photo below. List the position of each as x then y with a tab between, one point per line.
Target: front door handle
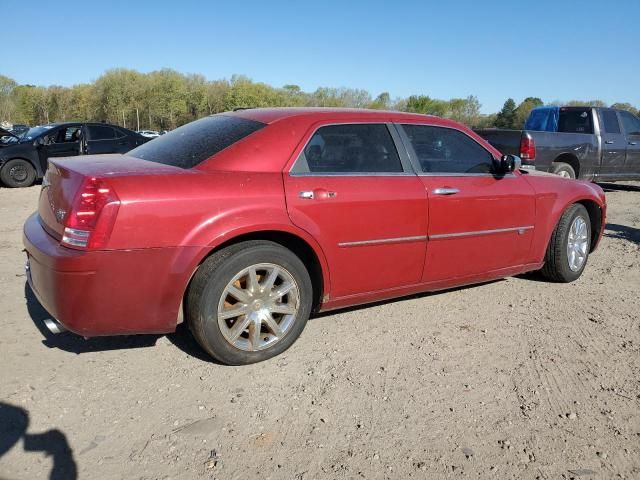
632	143
609	142
445	191
317	194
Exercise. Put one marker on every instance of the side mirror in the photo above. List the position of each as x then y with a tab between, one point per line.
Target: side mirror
509	163
39	142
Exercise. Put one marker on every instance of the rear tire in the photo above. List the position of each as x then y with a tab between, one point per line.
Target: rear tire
564	170
17	173
241	286
569	246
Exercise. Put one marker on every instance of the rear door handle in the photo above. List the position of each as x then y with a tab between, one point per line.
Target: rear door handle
632	143
317	194
306	195
445	191
609	142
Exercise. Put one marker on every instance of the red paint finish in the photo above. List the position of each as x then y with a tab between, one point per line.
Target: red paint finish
374	237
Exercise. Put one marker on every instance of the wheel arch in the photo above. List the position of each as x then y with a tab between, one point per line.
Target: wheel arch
595	219
570	159
302	246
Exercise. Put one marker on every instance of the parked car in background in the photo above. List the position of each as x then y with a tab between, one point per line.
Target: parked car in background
7	137
149	133
24	159
596	144
254	219
19	129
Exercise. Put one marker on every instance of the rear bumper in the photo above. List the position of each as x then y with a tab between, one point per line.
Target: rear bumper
106	292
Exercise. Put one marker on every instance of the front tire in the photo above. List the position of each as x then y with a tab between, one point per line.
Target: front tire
569	247
249	302
18	173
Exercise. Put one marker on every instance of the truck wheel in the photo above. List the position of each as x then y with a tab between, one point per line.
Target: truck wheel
564	170
249	302
569	246
18	173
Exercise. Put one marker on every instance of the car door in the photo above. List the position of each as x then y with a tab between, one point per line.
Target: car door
63	141
103	139
357	196
479	222
614	145
631	125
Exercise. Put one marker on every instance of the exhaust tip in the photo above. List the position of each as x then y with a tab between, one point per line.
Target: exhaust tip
53	326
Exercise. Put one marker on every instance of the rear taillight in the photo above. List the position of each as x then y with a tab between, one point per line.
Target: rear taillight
527	148
92	215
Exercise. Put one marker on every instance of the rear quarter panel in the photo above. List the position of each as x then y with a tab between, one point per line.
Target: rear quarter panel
554	195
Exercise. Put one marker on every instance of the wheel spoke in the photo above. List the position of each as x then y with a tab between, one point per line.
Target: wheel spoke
271	279
253	282
282	308
238	294
234	311
239	327
273	325
282	290
254	333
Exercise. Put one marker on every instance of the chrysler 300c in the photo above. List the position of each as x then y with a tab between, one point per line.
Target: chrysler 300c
245	223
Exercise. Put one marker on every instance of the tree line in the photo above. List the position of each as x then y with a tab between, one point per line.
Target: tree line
165	99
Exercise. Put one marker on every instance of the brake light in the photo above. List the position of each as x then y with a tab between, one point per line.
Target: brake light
527	148
92	215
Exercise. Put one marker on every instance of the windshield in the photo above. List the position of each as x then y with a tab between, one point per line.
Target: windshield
34	132
187	146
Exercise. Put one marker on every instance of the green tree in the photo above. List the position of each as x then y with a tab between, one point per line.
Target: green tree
7	101
523	110
506	116
626	106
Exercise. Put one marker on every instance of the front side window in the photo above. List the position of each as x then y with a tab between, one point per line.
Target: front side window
349	148
610	121
631	123
447	151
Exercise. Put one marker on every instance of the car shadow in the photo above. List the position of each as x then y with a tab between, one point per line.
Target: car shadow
70	342
619	187
622	232
14	423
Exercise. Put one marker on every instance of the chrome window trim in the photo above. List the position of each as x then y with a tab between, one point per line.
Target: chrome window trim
386	123
383	241
476	233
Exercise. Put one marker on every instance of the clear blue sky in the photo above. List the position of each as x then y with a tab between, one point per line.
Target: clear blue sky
556	50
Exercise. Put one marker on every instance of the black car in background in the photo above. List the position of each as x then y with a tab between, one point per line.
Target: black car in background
23	159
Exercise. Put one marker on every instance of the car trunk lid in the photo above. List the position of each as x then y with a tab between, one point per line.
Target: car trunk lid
66	176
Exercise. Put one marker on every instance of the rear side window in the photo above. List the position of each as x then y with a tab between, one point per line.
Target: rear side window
349	148
447	151
191	144
100	132
575	120
610	121
631	123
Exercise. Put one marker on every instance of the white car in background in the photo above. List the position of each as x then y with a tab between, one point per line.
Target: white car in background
149	133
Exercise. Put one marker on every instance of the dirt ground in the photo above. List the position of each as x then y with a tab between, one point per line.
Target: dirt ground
513	379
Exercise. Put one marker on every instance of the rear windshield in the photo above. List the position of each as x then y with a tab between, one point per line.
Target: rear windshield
191	144
575	120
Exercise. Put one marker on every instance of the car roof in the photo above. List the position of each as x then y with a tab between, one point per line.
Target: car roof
272	115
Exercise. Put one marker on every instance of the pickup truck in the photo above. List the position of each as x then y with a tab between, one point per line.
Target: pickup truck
588	143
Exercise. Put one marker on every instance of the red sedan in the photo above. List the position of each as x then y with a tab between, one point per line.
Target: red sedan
247	222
